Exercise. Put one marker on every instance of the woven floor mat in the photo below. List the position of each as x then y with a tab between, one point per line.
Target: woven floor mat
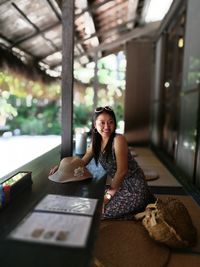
183	260
127	244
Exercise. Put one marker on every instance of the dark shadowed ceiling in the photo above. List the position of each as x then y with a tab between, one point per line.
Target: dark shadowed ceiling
32	29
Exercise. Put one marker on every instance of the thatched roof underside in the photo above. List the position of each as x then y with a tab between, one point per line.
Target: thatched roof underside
31	32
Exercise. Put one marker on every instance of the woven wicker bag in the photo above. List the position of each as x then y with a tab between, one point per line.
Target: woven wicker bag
169	222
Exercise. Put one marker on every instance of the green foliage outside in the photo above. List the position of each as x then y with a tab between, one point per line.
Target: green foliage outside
29	106
37	119
82	116
6	109
34	107
110	83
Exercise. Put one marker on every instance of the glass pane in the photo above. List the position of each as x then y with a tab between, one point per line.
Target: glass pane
191	71
172	85
198	168
158	69
155	129
187	134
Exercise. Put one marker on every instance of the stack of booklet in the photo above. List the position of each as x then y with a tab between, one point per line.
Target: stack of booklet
58	220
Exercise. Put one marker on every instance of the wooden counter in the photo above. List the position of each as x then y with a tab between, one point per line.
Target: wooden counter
26	254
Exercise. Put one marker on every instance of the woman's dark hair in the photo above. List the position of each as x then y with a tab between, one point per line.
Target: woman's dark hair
96	137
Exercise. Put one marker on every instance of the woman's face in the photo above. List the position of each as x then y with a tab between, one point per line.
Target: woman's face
105	125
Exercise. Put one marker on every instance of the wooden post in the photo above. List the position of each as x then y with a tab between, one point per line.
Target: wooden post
95	83
67	78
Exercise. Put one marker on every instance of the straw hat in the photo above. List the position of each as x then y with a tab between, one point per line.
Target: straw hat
70	169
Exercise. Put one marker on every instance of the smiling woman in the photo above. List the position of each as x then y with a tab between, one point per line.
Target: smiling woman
128	192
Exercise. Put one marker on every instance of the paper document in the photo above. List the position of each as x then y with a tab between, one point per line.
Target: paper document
67	204
52	228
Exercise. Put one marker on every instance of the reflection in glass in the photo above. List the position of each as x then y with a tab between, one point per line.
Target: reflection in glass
188	132
172	85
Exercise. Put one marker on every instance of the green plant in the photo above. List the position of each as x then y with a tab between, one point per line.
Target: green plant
82	116
7	111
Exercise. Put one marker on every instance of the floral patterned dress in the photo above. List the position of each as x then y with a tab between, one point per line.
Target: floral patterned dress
133	194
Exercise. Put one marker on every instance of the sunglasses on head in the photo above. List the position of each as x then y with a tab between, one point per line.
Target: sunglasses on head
100	109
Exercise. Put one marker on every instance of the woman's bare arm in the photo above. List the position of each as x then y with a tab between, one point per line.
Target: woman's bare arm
88	155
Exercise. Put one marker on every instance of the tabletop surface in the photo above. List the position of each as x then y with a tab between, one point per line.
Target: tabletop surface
30	254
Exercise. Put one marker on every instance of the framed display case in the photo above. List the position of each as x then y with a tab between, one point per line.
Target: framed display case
14	185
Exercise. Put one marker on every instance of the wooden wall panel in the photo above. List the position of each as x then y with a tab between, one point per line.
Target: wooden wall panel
137	95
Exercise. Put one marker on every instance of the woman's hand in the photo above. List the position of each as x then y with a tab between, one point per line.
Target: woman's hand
107	197
53	170
105	202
